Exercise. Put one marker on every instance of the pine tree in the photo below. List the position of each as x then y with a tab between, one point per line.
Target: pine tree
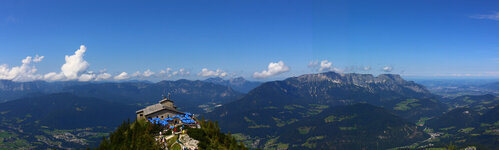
137	135
213	138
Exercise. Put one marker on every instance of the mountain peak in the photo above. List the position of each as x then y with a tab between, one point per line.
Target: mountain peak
214	79
239	84
392	82
238	79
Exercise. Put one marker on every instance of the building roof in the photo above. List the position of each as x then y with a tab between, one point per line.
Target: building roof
165	100
157	107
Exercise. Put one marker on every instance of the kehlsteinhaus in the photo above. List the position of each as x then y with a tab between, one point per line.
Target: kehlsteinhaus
164	109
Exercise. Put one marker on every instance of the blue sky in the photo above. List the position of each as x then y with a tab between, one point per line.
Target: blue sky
412	38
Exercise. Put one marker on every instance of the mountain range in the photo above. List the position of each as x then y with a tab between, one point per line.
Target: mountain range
277	105
239	84
70	114
10	90
192	96
195	96
313	111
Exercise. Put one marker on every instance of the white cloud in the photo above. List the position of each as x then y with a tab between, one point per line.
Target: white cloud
38	58
148	73
165	73
25	72
27	60
184	72
75	64
136	74
52	76
103	76
122	76
323	66
210	73
387	69
493	16
86	77
181	72
168	70
272	70
326	66
75	68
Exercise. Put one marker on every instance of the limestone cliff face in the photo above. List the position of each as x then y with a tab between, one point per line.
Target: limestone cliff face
334	89
387	82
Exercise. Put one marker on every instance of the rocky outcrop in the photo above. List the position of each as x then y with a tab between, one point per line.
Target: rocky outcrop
188	142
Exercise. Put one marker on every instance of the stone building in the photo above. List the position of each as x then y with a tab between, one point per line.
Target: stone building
164	109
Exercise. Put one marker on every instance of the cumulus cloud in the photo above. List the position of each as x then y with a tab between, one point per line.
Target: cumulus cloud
75	68
181	72
136	74
272	70
38	58
326	66
166	71
210	73
86	77
387	69
122	76
25	72
169	72
52	76
75	64
323	66
493	16
103	76
148	73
